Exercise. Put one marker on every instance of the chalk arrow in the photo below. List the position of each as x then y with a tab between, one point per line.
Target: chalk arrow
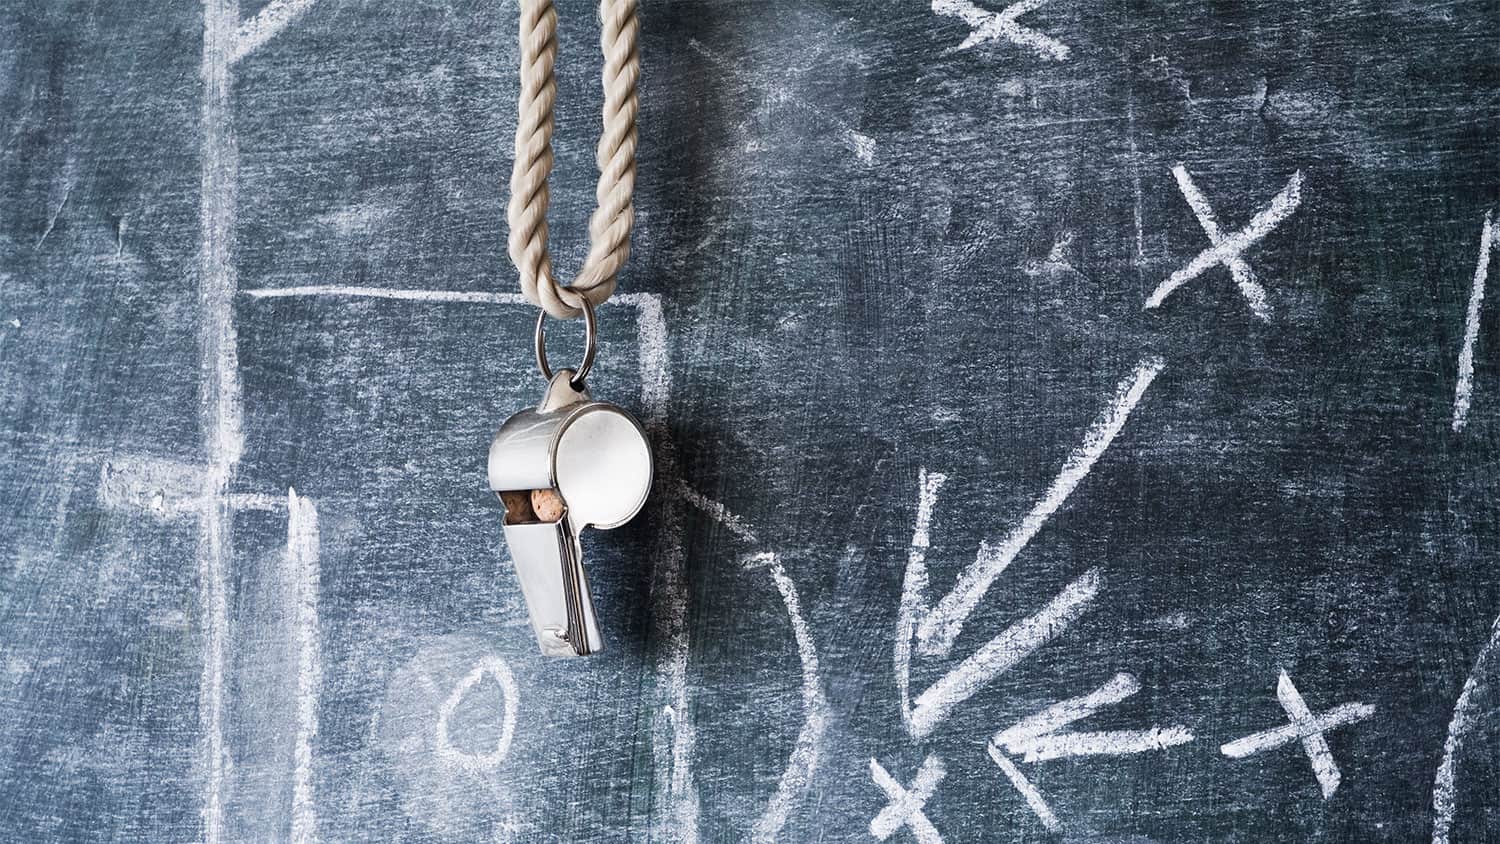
1040	737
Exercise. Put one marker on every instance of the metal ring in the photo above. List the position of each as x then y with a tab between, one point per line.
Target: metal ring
590	345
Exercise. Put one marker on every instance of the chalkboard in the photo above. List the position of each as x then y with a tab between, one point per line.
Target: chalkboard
1073	421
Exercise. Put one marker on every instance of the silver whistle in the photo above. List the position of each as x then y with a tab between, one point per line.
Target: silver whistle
584	463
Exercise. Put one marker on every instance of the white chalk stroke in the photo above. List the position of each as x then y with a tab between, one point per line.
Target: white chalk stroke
1002	653
1305	727
1463	392
1466	716
218	389
305	574
497	668
1229	250
716	511
1239	268
815	710
906	806
267	24
990	26
914	585
1040	737
1034	798
940	627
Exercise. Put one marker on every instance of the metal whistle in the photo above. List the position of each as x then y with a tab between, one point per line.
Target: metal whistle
596	459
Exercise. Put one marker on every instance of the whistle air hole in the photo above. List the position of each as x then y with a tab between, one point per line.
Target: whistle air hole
532	506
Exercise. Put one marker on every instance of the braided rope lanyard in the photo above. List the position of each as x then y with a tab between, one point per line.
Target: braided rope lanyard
612	221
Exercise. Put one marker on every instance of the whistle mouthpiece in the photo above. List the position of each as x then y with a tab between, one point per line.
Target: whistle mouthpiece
549	564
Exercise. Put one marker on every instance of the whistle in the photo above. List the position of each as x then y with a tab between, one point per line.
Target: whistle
593	458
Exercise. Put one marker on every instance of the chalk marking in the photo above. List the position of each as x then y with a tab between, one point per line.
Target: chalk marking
906	806
815	711
1306	728
863	146
497	668
52	220
1002	653
168	489
1033	797
267	24
1463	393
1465	717
219	389
716	511
306	574
1226	249
989	26
940	627
1239	268
914	585
339	290
1040	737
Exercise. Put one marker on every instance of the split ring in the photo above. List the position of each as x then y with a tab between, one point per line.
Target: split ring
590	345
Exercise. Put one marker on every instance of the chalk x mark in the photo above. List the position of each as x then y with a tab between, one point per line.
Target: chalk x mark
1239	268
990	26
1466	715
1305	727
940	627
1463	393
906	806
1227	250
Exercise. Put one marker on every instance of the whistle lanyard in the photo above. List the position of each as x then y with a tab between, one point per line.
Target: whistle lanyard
571	462
612	221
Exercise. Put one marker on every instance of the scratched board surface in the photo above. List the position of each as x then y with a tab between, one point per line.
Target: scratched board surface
1073	420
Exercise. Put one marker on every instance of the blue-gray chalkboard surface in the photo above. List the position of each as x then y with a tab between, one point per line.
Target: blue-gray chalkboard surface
1075	420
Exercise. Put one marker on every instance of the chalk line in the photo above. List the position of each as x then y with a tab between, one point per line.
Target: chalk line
906	805
168	489
940	628
914	585
1239	269
443	744
1102	743
1037	737
1465	717
306	575
1002	653
353	291
267	24
1033	797
1315	746
989	26
1463	393
1263	223
1338	716
716	511
815	712
219	388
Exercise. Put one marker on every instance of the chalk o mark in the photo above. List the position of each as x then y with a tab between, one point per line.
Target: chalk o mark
497	668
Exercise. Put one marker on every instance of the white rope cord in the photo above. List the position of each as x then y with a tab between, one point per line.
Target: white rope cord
610	226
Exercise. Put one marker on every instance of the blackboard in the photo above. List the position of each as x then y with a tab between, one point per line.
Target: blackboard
1074	420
